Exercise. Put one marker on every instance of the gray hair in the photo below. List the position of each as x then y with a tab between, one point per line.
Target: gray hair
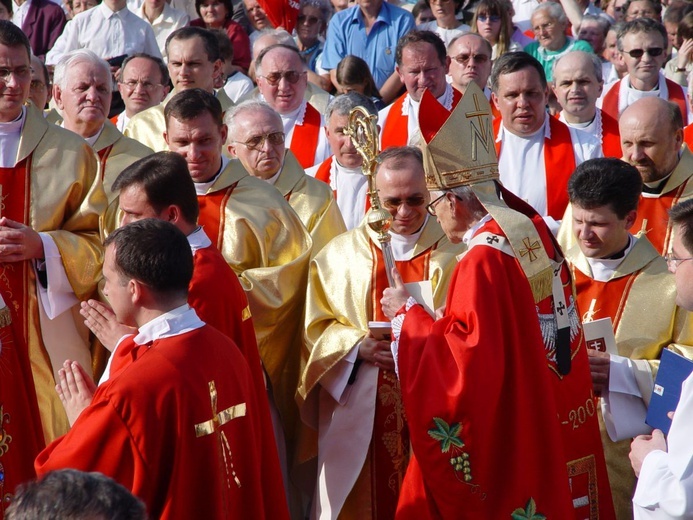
251	105
601	21
470	200
593	58
264	52
72	58
555	11
279	36
325	8
345	103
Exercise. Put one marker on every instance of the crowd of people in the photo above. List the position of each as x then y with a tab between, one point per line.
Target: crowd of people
200	317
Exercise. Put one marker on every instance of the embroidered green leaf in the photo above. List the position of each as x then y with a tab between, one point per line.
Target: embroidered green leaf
528	513
447	435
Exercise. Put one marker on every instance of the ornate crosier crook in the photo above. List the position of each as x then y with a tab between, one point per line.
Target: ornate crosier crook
363	131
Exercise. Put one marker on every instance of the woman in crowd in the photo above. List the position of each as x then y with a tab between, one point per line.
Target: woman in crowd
353	75
216	14
493	21
310	30
446	25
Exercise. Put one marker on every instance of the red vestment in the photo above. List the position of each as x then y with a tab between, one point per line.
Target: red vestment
676	95
305	138
611	137
494	427
653	216
150	428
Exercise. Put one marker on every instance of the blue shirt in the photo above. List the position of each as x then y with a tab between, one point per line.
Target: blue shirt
346	34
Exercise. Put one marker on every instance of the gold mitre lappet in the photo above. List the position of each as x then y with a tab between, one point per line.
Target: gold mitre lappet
459	147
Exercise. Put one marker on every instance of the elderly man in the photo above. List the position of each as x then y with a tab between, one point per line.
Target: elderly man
369	30
257	232
643	43
51	258
143	84
422	64
348	383
193	62
282	81
651	9
256	138
537	153
470	60
82	92
342	171
593	30
577	84
460	394
549	23
615	275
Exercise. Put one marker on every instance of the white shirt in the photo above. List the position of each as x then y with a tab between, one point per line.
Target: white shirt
168	21
593	128
187	6
237	86
290	120
106	33
447	35
523	13
122	121
19	12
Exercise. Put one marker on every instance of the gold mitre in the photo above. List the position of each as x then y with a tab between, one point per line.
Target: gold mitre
458	147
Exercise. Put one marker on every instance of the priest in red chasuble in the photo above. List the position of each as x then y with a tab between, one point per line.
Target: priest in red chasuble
497	392
179	424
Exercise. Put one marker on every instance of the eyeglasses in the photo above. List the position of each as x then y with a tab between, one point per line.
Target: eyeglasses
544	27
37	84
19	73
653	52
256	142
431	207
488	18
462	58
412	202
146	85
291	76
673	263
307	19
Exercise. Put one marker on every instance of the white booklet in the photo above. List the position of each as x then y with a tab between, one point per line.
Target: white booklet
599	335
422	292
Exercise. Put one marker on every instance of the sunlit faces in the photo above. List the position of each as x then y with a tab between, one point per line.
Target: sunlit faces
643	71
198	141
592	33
189	65
79	6
213	13
275	80
641	9
86	97
443	9
118	289
521	100
15	79
421	70
135	205
549	32
683	273
340	143
264	159
39	92
256	15
489	26
600	232
141	85
576	87
309	24
469	61
403	193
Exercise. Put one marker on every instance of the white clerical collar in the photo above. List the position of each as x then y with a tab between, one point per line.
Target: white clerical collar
92	140
544	132
293	118
445	99
347	171
198	239
107	12
202	187
10	135
472	230
603	268
403	245
172	323
273	179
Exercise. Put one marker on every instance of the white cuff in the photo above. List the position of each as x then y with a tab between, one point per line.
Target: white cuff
622	376
336	380
58	296
396	324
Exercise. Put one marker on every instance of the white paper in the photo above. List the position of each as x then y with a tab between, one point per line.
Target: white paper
599	335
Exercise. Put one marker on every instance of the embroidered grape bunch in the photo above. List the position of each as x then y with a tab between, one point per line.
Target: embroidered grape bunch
450	442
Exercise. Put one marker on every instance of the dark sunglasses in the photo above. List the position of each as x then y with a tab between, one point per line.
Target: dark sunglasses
652	52
484	18
464	58
291	76
309	20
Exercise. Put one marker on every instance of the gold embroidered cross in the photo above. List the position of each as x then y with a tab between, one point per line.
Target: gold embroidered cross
482	132
530	248
219	419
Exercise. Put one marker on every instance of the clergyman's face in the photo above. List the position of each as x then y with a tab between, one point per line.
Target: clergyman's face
403	193
198	141
599	231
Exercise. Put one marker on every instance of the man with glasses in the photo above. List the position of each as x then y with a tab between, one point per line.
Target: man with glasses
51	259
282	80
348	389
470	61
422	64
643	43
615	273
144	83
40	87
256	138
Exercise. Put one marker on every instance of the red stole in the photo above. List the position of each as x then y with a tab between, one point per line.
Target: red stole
396	129
306	136
114	119
688	135
323	174
655	210
21	434
676	95
610	296
611	137
212	210
559	164
103	157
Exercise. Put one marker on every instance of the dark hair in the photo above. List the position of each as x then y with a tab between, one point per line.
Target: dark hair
676	11
225	45
416	36
227	3
682	215
8	6
606	182
155	253
193	103
157	61
208	40
496	8
44	72
641	25
399	155
263	53
352	70
458	5
512	62
165	179
12	36
69	494
419	6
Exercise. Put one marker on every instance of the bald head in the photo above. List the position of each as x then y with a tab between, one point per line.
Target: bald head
651	137
577	83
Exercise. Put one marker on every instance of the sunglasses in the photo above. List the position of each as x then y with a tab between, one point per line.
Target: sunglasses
291	76
652	52
492	18
464	58
308	20
412	202
256	142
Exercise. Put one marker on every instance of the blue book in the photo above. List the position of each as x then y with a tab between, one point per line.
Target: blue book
673	371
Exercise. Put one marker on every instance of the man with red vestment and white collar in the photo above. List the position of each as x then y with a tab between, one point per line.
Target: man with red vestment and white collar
577	84
180	423
342	171
537	153
509	338
422	64
282	80
643	46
